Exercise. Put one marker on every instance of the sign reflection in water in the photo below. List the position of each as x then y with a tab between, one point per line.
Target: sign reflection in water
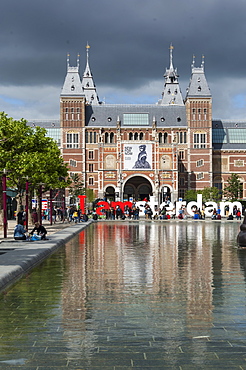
145	294
154	285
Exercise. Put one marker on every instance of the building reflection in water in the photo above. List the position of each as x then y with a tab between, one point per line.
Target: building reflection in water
130	275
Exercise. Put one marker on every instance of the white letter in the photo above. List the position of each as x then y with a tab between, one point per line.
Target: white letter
209	210
197	204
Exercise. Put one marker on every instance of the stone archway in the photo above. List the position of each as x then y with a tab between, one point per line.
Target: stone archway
137	188
110	193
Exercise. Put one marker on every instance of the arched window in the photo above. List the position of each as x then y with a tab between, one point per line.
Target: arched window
130	135
136	136
106	137
160	138
141	136
111	137
165	138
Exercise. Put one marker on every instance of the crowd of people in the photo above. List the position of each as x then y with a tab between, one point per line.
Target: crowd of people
165	213
74	214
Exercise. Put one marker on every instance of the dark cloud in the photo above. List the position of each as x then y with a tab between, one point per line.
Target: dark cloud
129	47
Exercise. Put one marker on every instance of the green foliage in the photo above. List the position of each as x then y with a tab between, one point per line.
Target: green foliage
28	152
90	196
211	194
208	194
76	187
190	195
234	188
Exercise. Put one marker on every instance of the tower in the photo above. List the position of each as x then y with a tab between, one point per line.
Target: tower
199	120
88	85
172	93
72	119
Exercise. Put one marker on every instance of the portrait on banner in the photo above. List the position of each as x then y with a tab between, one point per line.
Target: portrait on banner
137	156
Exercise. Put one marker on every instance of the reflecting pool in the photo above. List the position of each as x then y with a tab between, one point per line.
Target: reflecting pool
132	295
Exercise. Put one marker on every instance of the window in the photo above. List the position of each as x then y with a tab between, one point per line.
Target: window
200	176
181	137
78	114
90	137
199	141
199	114
91	167
205	113
72	114
136	136
141	136
73	163
181	154
200	163
91	154
72	140
111	137
130	135
163	138
194	113
136	119
91	181
66	114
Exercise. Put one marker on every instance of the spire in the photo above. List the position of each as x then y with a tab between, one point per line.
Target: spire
172	93
88	85
198	86
171	57
72	84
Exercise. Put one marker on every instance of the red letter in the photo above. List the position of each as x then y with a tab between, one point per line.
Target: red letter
103	205
82	202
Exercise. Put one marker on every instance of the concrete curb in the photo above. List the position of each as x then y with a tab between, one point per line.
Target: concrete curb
19	257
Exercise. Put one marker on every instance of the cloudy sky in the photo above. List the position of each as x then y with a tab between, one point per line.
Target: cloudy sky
129	51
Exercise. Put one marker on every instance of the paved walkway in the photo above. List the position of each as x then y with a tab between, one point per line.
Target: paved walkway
51	229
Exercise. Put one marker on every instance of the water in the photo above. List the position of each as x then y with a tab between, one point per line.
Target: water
132	295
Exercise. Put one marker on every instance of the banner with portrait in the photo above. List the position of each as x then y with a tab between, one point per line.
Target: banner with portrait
137	157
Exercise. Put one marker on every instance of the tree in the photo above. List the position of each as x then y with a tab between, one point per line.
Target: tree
190	195
211	194
27	152
76	188
234	188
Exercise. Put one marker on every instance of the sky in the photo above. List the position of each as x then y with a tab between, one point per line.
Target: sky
129	51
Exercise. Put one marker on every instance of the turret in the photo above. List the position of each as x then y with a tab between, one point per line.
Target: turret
198	87
172	93
88	86
72	85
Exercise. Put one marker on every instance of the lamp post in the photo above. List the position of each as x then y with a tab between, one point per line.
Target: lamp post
27	190
40	203
5	221
51	207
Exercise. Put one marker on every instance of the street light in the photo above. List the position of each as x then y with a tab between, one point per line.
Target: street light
26	209
4	185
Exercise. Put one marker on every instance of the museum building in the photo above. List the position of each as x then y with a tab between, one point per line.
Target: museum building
134	151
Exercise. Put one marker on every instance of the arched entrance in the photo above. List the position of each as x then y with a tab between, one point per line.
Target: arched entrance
137	188
110	193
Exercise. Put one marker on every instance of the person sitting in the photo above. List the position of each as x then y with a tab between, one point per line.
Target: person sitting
196	216
19	231
40	229
230	217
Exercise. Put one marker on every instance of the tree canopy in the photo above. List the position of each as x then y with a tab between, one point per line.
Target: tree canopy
234	188
26	152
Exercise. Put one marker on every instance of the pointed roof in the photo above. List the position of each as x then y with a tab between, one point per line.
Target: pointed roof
88	85
172	93
72	84
198	87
